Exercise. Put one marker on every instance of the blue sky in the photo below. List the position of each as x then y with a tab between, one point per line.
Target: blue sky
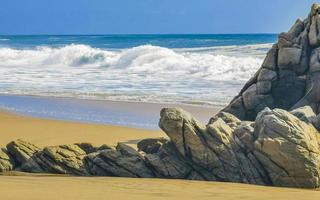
149	16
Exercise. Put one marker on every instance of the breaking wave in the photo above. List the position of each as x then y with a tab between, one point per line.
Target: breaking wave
140	73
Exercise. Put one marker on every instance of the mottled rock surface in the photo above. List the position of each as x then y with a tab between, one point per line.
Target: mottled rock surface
288	149
289	76
64	159
21	151
6	163
124	161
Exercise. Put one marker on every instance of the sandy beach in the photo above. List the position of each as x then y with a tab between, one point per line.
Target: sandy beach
44	132
56	188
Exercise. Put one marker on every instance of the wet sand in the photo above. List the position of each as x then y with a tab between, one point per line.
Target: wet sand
129	114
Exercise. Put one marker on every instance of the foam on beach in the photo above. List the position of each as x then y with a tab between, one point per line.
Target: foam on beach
145	73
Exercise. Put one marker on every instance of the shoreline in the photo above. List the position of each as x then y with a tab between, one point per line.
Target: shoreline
128	114
49	132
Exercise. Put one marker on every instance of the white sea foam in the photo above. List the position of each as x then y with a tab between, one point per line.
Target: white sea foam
143	73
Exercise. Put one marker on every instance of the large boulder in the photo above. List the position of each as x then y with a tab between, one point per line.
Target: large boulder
288	149
214	148
289	77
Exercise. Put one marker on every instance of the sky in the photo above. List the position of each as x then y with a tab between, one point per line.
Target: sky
29	17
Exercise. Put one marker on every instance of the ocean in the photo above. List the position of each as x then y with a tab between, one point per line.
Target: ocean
182	69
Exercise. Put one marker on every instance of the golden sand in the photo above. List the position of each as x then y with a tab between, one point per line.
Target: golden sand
44	132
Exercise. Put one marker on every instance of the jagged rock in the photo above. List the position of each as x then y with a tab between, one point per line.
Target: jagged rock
228	118
6	163
90	148
267	75
316	122
212	147
305	114
284	75
288	149
87	147
151	145
289	57
264	87
236	107
64	159
288	91
314	38
315	61
279	148
21	151
270	62
167	163
124	161
245	135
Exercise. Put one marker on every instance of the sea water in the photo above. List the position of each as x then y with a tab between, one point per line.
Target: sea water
189	69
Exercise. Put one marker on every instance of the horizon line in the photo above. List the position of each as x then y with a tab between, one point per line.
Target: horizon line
90	34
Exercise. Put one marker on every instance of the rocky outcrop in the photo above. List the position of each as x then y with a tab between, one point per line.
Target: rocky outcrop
278	147
288	149
64	159
289	77
151	145
123	161
215	148
6	163
21	151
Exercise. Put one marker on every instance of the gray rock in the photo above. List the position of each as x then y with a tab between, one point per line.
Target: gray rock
213	148
305	114
271	60
124	161
64	159
289	57
288	149
236	107
151	145
315	61
250	97
314	39
6	163
264	87
284	73
288	91
267	75
167	163
21	151
228	118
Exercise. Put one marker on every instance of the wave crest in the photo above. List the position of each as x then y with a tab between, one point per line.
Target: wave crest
143	73
212	63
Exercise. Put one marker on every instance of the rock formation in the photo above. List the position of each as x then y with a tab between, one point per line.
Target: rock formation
290	74
280	146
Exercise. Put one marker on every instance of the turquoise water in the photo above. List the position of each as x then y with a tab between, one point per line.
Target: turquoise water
188	69
129	41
